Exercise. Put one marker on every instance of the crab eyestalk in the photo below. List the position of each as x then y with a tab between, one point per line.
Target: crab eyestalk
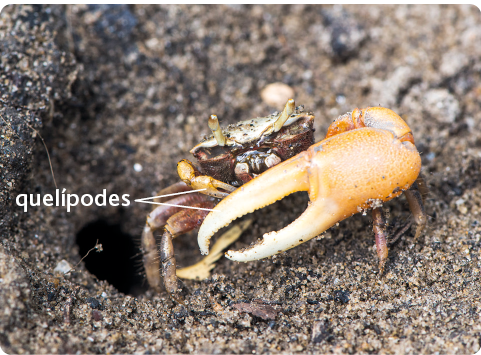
214	126
289	109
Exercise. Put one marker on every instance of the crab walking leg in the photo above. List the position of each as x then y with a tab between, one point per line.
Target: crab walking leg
151	259
379	227
148	242
415	201
180	223
157	219
344	174
422	187
167	258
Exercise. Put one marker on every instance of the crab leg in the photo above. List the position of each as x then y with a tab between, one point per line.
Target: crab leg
151	259
379	227
415	201
157	219
422	187
180	223
344	174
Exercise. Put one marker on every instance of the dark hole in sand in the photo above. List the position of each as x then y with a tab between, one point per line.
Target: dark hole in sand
119	263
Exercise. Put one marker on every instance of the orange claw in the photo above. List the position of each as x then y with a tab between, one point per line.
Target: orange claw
368	158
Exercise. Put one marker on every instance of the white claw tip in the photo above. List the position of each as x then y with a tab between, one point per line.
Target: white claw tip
204	247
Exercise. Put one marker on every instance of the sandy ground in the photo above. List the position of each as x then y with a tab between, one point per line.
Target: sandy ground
113	87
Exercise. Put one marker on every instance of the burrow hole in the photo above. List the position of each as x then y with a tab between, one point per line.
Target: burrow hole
120	261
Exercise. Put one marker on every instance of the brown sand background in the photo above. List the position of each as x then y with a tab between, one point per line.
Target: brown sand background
113	86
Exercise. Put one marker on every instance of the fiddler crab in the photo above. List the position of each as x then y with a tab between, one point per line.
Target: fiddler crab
367	158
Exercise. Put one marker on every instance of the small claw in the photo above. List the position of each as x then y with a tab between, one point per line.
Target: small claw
209	185
202	269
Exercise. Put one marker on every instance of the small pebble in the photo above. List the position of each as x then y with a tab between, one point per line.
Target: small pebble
62	267
277	94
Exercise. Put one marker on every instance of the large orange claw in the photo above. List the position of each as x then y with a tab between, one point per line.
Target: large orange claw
368	158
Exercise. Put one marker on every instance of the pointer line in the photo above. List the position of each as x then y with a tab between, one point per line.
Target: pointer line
177	193
144	200
170	204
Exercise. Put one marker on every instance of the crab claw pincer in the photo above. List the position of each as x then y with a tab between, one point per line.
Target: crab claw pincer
344	174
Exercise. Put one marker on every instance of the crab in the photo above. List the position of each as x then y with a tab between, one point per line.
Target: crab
227	159
367	158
